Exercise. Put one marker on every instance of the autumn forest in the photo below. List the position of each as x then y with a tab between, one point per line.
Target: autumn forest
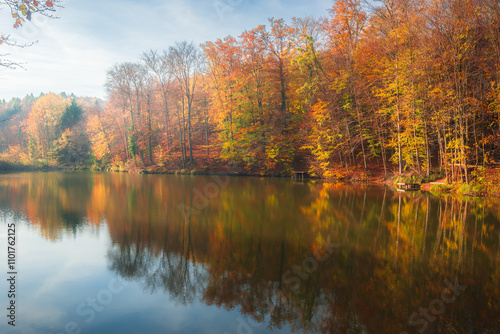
405	86
327	114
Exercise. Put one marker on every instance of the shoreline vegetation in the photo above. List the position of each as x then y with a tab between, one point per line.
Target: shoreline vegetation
484	183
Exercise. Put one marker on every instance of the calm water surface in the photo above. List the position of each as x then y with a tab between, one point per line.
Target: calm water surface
116	253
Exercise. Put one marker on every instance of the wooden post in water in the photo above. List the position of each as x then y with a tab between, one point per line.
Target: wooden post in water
297	174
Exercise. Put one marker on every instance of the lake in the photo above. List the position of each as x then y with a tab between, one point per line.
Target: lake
123	253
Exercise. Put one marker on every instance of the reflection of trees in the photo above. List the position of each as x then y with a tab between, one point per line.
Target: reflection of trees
164	263
396	251
175	274
54	202
130	262
232	251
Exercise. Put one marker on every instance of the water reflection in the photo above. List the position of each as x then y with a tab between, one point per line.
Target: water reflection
319	258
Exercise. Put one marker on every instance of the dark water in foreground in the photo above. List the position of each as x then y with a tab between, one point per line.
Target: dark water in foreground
115	253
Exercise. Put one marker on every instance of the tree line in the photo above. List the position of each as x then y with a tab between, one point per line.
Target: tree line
412	86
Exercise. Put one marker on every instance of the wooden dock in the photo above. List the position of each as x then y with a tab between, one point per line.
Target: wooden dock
408	186
298	175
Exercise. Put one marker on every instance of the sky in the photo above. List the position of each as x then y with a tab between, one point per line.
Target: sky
73	53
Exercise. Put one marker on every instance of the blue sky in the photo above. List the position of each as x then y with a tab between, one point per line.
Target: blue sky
74	52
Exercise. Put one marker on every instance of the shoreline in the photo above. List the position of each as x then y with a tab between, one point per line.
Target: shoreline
440	186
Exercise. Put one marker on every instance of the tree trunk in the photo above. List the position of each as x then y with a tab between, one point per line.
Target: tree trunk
181	135
207	135
167	122
191	160
427	149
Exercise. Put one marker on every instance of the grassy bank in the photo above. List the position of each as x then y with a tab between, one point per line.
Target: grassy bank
14	166
485	182
9	166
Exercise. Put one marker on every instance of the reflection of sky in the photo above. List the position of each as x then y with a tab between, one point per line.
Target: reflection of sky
75	51
56	276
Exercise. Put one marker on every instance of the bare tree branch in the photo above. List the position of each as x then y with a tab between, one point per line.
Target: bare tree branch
20	11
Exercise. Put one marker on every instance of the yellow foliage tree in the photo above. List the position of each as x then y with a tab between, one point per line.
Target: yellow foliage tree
43	123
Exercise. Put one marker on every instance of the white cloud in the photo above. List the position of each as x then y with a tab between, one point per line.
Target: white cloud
74	52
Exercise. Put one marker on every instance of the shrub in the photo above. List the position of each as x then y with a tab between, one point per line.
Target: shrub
441	188
432	178
471	189
492	183
408	179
